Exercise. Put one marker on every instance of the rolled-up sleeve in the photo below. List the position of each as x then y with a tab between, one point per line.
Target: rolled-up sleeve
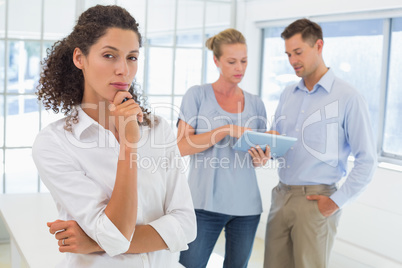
171	231
77	196
110	238
178	226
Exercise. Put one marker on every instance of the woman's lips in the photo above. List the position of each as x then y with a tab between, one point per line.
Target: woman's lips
120	86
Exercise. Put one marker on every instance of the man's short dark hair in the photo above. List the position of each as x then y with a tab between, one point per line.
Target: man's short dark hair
310	31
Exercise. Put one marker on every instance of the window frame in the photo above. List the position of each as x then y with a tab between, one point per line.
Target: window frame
204	68
386	16
81	6
5	94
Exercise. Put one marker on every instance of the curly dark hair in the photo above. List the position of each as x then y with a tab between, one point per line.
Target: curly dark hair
61	84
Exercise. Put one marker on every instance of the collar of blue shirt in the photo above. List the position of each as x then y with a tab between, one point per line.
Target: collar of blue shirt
325	83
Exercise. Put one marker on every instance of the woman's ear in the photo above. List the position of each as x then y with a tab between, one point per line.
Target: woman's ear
218	65
78	58
216	61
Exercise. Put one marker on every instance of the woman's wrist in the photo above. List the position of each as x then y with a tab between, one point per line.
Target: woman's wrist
96	248
223	130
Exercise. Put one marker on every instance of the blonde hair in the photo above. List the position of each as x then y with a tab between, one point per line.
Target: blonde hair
226	37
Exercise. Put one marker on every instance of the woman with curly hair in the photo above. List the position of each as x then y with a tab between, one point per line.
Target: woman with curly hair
112	168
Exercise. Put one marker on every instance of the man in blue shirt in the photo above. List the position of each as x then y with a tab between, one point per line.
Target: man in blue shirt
330	120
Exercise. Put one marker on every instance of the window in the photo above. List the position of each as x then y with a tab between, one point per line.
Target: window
347	52
354	49
24	37
277	72
173	58
392	146
175	53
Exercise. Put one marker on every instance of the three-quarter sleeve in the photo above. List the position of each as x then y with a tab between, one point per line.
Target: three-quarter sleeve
190	106
178	226
79	195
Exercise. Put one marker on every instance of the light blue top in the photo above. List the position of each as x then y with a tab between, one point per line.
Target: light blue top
330	122
221	179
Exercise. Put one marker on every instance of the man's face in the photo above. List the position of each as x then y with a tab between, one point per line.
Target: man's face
303	57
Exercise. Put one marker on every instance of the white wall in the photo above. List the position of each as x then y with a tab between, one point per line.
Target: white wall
370	230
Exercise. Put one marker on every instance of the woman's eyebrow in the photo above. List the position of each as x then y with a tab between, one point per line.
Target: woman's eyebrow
115	49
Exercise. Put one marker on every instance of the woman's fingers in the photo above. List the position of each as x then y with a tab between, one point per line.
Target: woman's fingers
259	156
127	108
57	226
267	152
254	153
133	108
62	234
67	248
120	96
63	242
257	151
236	131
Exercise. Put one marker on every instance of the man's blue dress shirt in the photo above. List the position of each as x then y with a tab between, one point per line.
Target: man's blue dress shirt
330	122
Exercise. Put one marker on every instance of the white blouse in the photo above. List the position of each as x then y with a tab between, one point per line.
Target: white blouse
79	169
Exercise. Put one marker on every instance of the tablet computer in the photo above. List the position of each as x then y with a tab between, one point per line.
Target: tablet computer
278	144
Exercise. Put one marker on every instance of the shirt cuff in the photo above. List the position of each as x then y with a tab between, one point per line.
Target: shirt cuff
171	232
110	239
339	198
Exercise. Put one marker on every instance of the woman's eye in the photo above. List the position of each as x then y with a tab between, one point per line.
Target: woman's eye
133	58
108	56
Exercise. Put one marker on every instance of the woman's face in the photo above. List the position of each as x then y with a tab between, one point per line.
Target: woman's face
110	66
233	62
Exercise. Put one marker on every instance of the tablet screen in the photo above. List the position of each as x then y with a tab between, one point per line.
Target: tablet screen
278	144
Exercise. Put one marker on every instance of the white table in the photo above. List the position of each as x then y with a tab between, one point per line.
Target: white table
25	217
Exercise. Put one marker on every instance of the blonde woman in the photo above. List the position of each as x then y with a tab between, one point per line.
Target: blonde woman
222	181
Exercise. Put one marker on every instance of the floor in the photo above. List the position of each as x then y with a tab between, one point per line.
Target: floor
5	256
257	257
216	260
